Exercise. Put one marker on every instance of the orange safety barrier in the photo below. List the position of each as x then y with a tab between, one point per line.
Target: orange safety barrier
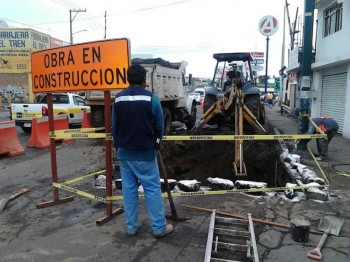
39	137
86	120
9	143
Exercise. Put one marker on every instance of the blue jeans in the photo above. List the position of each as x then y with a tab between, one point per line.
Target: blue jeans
322	144
147	173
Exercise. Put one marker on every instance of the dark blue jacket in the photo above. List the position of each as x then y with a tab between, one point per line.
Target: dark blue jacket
324	123
137	121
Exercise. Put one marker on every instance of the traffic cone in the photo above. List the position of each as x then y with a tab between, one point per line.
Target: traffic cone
39	136
9	143
86	120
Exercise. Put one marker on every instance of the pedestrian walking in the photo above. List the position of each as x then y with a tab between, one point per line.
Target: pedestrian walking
137	129
270	99
330	127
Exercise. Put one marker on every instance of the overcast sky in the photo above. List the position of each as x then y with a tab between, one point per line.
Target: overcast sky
175	30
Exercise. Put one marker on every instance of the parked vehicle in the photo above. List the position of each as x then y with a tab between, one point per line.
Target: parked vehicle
167	81
195	96
63	103
201	91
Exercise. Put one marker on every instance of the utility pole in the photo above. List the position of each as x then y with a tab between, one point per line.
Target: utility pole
71	21
306	69
105	25
283	55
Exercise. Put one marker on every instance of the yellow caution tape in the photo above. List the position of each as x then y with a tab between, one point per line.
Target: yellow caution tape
343	174
182	194
59	135
83	133
222	192
83	177
79	130
244	137
318	165
79	192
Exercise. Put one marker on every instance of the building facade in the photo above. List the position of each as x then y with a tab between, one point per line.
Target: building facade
330	79
330	90
16	46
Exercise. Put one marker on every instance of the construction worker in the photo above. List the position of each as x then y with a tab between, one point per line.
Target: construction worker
330	127
234	73
137	128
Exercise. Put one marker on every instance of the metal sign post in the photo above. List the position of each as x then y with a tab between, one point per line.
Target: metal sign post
268	25
99	66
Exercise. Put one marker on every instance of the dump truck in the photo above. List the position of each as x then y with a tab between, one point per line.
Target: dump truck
167	81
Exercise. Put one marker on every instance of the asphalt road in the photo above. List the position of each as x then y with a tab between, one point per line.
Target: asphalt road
68	231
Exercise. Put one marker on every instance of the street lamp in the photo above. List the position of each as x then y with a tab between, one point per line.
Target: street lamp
84	30
71	19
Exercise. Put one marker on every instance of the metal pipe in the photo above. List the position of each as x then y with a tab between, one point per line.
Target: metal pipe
252	238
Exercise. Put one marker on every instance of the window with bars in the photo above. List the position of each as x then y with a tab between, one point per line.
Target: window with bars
333	18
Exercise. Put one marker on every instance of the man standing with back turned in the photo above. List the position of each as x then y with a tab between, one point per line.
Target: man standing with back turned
137	129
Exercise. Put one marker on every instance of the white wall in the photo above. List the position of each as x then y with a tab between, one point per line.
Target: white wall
332	56
346	132
334	47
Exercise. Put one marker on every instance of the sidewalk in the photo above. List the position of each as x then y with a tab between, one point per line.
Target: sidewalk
339	149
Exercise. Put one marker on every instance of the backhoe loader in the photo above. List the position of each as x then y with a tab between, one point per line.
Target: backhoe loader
239	106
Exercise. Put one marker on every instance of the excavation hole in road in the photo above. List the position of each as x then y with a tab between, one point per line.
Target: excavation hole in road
201	159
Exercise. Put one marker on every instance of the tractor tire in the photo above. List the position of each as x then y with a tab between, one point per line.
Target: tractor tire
209	100
252	102
254	105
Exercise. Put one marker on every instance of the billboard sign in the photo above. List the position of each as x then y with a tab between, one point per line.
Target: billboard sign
257	54
258	62
257	68
23	39
16	46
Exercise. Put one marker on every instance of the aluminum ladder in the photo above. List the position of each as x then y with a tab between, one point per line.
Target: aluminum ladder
231	239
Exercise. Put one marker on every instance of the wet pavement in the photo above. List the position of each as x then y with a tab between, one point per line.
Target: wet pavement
68	232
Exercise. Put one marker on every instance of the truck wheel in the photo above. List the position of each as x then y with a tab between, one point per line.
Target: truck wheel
191	120
27	130
167	120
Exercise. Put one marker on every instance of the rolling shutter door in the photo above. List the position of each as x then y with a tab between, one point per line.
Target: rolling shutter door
334	97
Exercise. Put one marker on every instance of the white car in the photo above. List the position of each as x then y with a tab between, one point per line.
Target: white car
201	91
195	96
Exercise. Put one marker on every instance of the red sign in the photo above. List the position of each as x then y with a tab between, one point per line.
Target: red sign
268	25
257	54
